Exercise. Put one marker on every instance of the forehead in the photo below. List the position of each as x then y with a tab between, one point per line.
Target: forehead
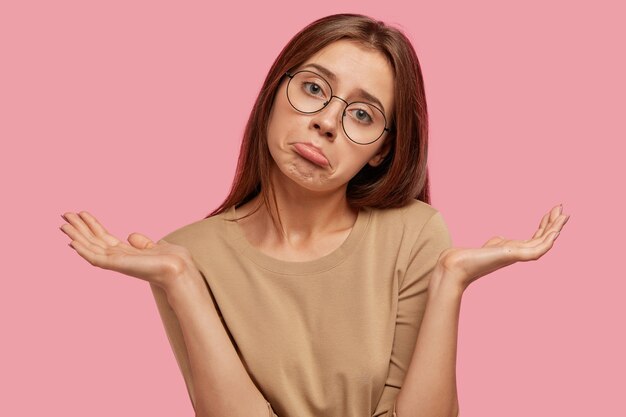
356	67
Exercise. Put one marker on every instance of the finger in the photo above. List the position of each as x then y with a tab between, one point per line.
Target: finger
78	224
140	241
555	212
494	241
542	225
93	258
531	253
548	221
552	227
97	229
558	223
77	236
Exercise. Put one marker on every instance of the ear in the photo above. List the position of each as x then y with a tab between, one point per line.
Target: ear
382	153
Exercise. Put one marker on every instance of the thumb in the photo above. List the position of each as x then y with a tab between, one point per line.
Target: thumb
494	241
140	241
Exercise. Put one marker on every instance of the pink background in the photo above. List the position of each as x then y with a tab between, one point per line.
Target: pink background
133	110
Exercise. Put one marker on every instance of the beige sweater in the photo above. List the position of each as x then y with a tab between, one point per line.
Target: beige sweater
332	337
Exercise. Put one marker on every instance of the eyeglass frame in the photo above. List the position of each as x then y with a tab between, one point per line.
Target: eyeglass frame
343	113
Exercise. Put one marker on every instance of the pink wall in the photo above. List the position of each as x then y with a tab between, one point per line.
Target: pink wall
133	110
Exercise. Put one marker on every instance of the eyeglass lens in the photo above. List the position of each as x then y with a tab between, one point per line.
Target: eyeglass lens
309	93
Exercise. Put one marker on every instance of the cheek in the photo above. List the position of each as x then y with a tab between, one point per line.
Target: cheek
274	125
283	126
363	153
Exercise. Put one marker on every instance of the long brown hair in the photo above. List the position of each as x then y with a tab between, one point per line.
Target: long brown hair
402	175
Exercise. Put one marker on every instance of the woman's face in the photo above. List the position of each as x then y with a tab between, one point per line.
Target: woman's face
291	134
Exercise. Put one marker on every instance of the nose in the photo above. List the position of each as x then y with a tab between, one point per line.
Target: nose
327	120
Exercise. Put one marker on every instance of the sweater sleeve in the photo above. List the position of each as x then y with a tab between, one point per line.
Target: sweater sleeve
433	239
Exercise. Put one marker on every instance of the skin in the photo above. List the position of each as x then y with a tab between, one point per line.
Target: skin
312	199
429	387
316	220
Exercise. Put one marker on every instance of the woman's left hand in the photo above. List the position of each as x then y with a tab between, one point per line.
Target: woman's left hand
466	265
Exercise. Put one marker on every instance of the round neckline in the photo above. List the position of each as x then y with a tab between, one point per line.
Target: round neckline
324	263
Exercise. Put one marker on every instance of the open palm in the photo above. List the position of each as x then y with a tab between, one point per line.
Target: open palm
465	265
158	263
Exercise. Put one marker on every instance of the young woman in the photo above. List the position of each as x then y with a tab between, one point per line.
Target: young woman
325	285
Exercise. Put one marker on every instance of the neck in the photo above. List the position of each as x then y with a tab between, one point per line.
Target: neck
305	215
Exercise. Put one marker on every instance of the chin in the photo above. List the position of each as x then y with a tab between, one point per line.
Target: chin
296	169
311	177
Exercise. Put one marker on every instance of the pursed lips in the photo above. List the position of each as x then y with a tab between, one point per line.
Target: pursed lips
312	153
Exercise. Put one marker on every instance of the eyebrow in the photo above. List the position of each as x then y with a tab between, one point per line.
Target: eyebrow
361	92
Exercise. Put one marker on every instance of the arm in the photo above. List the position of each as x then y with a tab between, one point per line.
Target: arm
217	381
429	387
400	397
221	385
175	337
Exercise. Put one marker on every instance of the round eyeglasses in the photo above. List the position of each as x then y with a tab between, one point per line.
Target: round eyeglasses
308	92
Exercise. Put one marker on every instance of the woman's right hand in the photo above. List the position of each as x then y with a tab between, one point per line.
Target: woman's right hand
160	263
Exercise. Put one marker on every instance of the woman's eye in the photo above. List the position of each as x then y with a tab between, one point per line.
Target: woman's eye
312	88
361	115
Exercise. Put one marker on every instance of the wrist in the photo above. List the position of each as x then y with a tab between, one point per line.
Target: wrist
186	284
443	281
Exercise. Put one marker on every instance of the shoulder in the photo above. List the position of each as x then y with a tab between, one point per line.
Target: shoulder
416	221
196	233
419	210
413	215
